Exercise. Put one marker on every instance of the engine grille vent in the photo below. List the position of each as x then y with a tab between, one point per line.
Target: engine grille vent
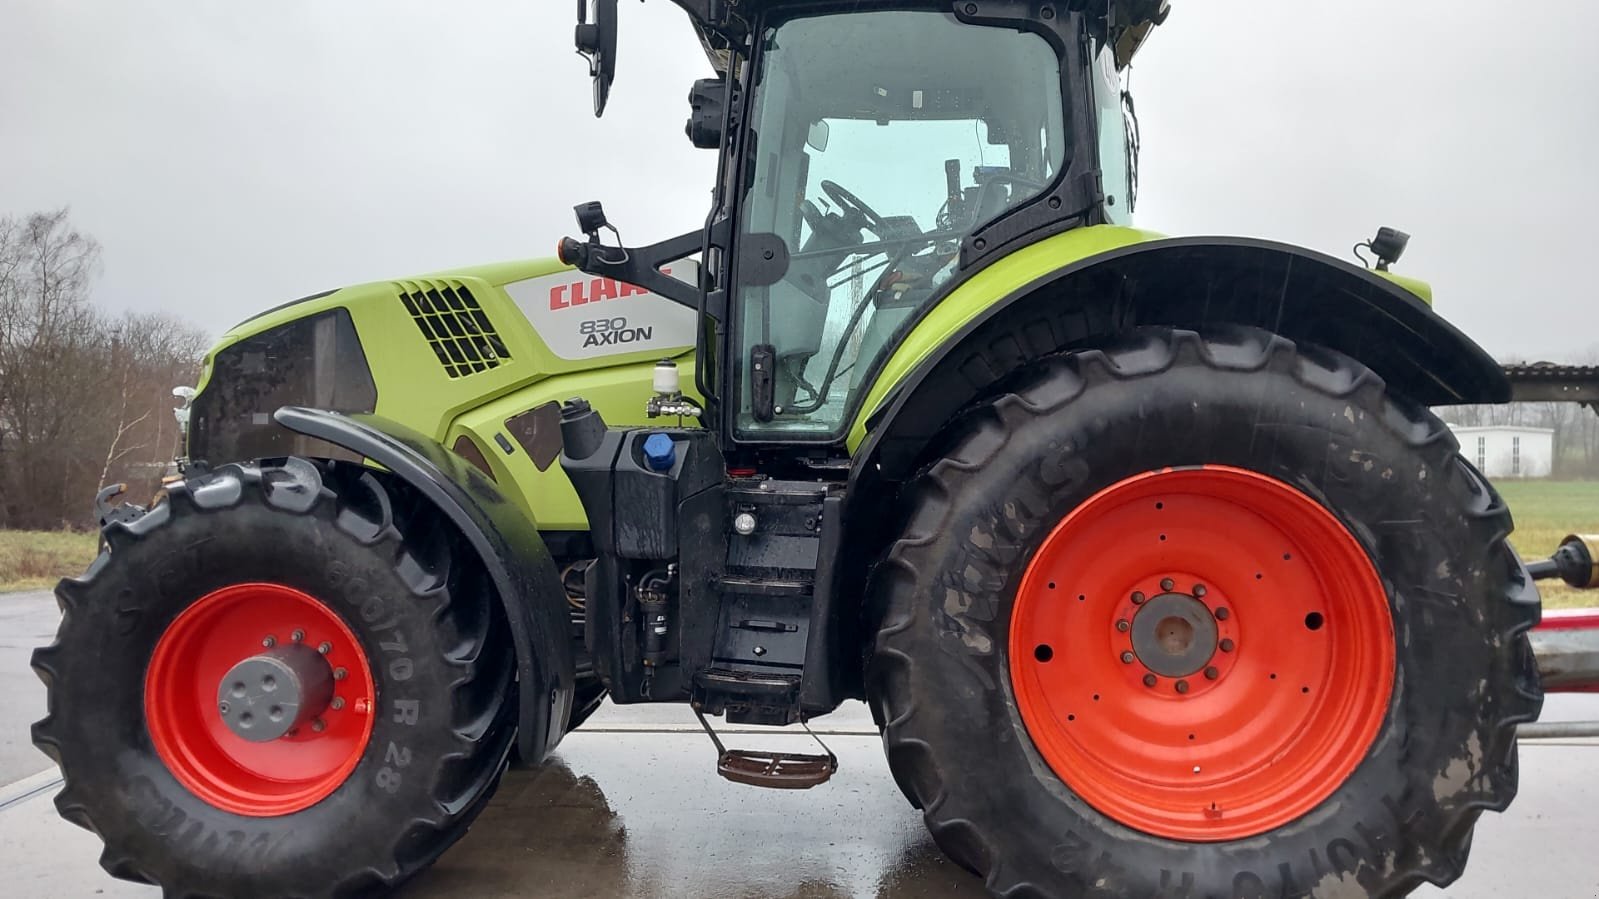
455	326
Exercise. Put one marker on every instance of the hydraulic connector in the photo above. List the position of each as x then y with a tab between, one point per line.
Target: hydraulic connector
1573	562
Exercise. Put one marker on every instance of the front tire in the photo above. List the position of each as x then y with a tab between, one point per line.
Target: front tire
317	582
1157	780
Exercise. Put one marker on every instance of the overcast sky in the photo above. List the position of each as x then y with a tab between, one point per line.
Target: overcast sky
231	156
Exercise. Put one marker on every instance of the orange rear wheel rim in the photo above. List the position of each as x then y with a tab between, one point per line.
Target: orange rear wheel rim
1202	654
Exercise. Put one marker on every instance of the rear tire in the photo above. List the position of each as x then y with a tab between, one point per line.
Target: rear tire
424	623
941	678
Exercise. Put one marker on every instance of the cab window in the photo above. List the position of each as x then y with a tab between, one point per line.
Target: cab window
880	141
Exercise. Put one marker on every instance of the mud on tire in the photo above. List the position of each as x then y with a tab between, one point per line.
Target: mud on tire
425	617
939	679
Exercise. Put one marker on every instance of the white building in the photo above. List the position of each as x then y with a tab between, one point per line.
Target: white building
1504	451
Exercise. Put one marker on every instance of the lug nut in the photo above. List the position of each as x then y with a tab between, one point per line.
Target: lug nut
1211	673
1150	680
1167	583
1227	645
1127	658
1222	614
1182	686
270	642
319	725
1138	598
339	674
325	648
297	636
338	702
1123	625
1199	590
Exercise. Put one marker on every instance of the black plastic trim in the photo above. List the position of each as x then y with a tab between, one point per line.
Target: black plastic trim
763	259
318	360
282	306
505	539
1075	197
642	265
828	674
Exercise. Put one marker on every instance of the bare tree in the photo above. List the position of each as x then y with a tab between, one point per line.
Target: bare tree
83	397
46	345
150	354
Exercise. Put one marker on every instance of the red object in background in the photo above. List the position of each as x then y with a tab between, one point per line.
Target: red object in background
1567	646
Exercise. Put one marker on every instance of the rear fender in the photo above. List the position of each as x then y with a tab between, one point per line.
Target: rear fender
1193	283
505	540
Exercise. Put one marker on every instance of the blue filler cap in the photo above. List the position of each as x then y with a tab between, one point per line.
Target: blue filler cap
659	453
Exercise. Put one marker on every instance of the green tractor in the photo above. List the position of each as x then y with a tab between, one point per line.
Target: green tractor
1156	571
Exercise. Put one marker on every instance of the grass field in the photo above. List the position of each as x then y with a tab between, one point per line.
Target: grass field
35	560
1545	511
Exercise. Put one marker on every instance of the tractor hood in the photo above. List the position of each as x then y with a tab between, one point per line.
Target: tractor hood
420	351
1126	24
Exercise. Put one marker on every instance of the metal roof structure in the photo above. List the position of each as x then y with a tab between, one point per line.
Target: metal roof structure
1548	382
721	23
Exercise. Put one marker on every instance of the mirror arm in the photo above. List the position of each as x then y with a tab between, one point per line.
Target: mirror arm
639	266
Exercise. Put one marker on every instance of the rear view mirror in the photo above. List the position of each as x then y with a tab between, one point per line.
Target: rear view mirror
596	42
817	138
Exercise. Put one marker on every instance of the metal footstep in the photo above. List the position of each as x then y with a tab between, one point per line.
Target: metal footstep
773	770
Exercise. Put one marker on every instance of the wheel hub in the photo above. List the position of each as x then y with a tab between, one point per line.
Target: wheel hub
1174	635
270	695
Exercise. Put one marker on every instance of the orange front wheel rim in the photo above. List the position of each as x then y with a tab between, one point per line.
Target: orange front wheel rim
259	699
1202	654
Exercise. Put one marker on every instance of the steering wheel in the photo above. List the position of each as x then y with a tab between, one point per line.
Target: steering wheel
850	203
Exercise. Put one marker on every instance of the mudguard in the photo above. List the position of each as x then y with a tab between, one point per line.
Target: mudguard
505	539
1193	283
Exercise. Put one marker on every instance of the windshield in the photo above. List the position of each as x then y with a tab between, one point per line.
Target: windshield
880	141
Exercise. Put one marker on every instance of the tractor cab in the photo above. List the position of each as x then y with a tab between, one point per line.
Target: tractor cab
877	142
872	157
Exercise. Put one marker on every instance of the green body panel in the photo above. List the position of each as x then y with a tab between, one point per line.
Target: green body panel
414	390
619	392
1420	288
989	286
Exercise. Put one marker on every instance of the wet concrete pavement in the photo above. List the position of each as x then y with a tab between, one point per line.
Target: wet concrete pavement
27	620
631	806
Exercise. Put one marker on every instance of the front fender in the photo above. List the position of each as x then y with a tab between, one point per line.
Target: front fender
506	542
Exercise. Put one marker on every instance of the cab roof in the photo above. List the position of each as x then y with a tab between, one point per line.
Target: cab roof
1127	23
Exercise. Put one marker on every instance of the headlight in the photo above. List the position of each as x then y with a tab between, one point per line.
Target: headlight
316	361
